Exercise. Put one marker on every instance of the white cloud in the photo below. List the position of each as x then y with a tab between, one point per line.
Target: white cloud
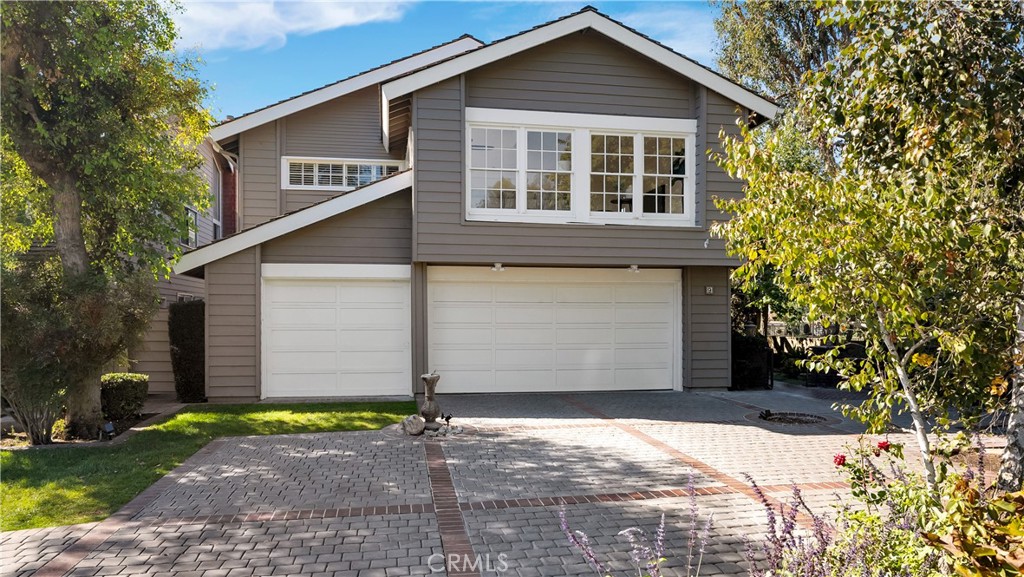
268	23
687	29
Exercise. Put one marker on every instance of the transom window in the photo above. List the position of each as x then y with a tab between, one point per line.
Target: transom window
580	168
334	174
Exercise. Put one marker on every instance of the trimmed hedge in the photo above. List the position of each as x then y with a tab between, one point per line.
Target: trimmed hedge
123	394
186	327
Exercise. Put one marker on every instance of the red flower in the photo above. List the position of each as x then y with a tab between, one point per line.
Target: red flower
883	445
839	460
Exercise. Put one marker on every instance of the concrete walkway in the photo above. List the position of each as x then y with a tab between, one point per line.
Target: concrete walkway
378	504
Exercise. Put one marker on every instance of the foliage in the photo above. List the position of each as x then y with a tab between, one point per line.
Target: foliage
768	45
646	555
100	110
58	331
123	394
984	536
94	96
186	327
913	232
82	484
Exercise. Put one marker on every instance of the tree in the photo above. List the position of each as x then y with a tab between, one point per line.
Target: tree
917	230
108	118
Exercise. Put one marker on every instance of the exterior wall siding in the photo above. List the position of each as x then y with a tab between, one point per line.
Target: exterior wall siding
708	338
233	327
377	233
443	236
583	73
260	165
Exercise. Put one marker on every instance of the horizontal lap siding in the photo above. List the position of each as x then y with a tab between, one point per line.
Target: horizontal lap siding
153	355
708	340
348	127
261	181
377	233
721	114
581	73
232	326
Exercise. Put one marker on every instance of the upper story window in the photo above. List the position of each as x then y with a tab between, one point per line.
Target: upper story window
190	236
334	174
527	166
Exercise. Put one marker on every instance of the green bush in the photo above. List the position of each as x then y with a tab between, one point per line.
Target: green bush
123	394
186	327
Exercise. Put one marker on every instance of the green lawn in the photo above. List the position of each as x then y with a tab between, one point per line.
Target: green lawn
41	488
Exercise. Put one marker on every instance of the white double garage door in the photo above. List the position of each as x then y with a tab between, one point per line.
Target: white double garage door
346	330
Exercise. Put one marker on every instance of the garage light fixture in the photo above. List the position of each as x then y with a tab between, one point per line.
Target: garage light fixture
634	268
497	267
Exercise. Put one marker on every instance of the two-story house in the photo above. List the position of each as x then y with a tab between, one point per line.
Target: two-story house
526	215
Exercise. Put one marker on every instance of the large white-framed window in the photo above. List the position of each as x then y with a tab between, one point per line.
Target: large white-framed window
341	174
529	166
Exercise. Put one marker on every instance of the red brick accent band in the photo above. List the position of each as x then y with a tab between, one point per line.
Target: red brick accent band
454	538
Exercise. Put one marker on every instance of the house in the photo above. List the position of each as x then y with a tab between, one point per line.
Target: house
526	215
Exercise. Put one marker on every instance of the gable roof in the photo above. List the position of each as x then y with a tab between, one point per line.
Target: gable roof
345	86
588	17
293	221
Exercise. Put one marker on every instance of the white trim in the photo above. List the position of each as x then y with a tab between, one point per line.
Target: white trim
556	120
342	88
337	271
581	126
286	170
554	30
292	222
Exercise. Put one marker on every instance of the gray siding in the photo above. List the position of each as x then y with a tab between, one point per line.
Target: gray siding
233	327
585	73
443	236
260	167
153	355
377	233
707	328
346	127
721	115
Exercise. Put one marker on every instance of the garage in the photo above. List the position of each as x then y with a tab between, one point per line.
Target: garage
335	330
511	329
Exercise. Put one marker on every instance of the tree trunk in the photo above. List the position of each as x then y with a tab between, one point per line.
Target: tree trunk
920	424
1011	470
84	412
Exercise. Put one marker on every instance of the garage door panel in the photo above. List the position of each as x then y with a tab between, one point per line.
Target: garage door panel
291	339
585	336
584	294
295	292
584	315
462	315
461	293
514	358
336	337
527	335
521	314
523	293
554	330
304	361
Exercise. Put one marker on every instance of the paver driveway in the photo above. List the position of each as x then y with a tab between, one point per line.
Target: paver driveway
377	504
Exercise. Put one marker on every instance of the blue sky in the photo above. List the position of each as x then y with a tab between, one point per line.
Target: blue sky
259	52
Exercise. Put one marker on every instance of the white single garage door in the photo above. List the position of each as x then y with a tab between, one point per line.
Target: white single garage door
336	330
534	329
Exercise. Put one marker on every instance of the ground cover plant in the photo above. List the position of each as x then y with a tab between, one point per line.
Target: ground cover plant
43	488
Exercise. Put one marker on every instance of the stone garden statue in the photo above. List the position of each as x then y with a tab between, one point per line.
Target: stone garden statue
430	410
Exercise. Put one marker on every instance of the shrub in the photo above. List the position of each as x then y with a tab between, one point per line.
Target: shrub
186	329
123	394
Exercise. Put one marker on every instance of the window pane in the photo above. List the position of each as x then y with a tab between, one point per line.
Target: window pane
532	200
533	140
596	143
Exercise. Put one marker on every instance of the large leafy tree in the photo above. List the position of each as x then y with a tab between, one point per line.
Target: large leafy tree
107	118
916	229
